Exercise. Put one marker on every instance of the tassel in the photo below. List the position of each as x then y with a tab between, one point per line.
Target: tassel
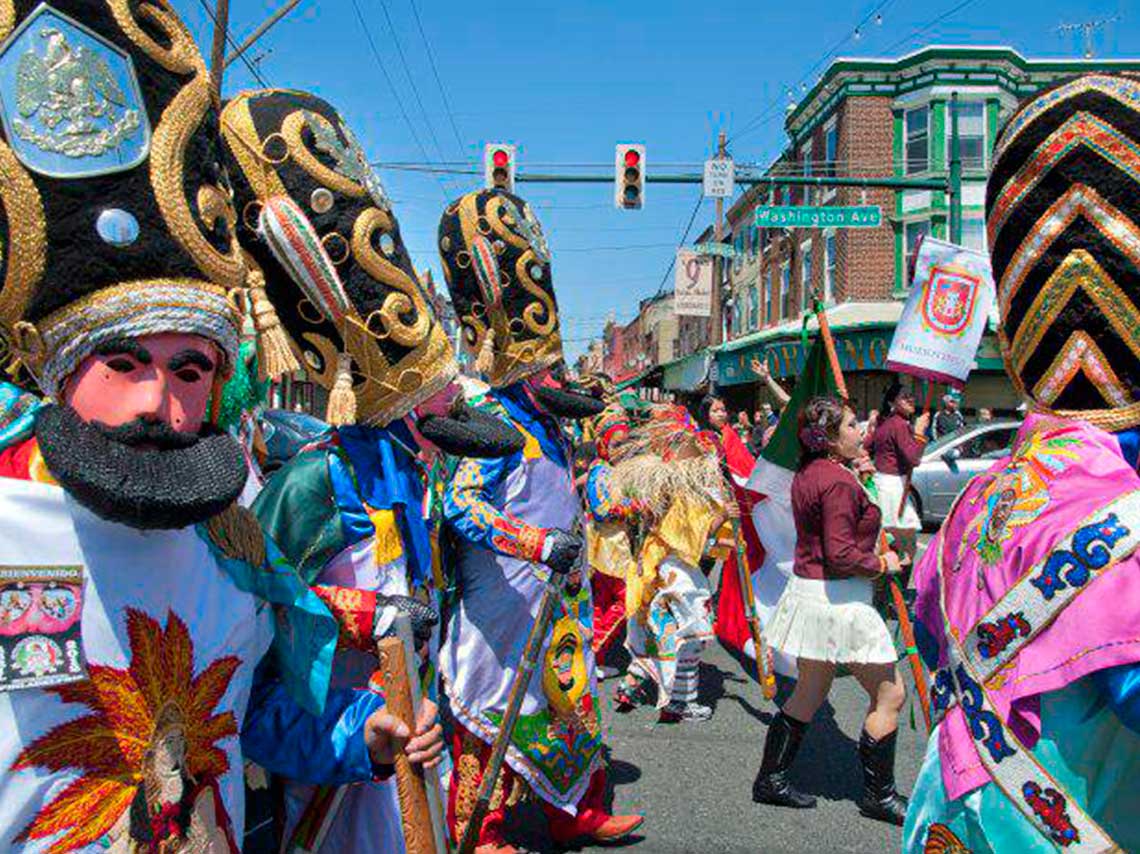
342	399
274	355
485	361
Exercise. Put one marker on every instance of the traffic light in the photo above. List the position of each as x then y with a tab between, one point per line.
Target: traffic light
629	176
499	166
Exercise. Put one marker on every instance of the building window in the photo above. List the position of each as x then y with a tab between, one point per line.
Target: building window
768	294
829	264
917	140
913	233
785	290
971	134
805	276
974	233
831	149
738	251
753	306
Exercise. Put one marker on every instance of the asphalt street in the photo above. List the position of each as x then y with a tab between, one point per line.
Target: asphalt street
693	781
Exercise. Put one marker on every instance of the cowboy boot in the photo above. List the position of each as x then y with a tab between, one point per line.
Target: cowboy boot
772	785
880	799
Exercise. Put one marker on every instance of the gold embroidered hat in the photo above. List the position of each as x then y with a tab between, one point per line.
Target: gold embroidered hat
116	219
1063	218
314	217
497	268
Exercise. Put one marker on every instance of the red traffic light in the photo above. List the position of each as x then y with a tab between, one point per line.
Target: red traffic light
632	157
500	157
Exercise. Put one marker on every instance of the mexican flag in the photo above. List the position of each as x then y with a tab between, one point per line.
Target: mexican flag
771	487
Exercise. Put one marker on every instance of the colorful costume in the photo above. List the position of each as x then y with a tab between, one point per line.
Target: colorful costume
349	510
1029	599
674	472
506	518
136	596
607	536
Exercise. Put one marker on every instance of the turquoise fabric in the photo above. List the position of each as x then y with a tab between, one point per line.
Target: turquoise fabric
17	414
305	632
1083	745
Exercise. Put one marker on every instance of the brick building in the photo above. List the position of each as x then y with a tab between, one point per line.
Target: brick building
868	117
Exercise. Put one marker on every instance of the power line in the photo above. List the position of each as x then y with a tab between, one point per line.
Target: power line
229	39
435	73
922	29
682	242
392	88
408	74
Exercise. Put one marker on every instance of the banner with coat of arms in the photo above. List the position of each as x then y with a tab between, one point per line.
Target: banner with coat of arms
941	326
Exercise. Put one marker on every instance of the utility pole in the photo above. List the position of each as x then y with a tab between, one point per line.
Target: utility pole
715	335
955	173
1087	29
261	30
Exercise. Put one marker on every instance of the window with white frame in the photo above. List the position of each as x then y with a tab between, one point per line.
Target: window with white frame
831	148
917	148
785	290
974	233
913	232
829	267
806	282
971	134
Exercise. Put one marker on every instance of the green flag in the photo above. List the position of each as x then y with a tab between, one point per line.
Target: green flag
783	449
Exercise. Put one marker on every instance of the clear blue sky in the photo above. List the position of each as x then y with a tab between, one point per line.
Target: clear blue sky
566	81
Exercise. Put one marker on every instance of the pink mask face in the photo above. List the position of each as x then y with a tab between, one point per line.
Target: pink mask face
166	377
440	402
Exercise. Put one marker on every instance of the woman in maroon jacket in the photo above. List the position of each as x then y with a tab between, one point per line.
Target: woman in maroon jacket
825	617
896	448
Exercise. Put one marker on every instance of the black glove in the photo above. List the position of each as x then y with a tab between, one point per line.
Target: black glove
564	550
423	617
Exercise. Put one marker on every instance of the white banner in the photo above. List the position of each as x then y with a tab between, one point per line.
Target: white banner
941	326
692	284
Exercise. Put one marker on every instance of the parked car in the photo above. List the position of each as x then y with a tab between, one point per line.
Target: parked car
950	461
286	433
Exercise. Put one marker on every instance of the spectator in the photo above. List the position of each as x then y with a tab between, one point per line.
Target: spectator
712	415
949	417
743	425
985	415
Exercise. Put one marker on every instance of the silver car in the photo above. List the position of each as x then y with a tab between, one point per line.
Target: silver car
949	462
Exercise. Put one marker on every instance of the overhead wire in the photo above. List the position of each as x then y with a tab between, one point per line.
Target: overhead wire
261	81
392	88
435	73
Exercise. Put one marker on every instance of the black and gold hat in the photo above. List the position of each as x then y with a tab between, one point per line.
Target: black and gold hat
315	219
1063	217
497	267
116	217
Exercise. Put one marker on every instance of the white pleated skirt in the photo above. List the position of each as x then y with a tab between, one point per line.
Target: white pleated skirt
832	621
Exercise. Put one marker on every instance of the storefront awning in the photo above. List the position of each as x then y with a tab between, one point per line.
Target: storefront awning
688	373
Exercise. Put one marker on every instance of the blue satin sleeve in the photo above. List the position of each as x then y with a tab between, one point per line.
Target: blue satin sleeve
1121	689
326	749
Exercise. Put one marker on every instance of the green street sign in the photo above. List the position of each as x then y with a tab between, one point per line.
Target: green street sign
827	216
722	249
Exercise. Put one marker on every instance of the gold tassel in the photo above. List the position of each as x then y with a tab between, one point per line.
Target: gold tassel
485	361
274	355
342	399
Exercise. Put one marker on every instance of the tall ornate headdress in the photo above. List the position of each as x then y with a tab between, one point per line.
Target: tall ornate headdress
116	217
1063	216
315	220
497	267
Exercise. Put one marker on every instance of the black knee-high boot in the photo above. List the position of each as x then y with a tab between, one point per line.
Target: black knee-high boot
880	799
780	748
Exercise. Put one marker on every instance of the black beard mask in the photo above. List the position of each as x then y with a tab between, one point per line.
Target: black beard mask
143	474
565	403
467	432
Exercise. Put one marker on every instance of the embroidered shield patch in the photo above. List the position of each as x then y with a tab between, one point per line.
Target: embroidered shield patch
40	639
70	100
948	305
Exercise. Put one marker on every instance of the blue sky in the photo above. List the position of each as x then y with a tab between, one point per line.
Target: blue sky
566	81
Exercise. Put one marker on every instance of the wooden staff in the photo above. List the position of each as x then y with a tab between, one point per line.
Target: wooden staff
421	810
916	668
217	55
748	596
515	699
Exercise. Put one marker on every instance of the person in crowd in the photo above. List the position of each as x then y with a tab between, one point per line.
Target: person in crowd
139	597
712	416
743	425
1028	600
896	446
348	510
949	418
512	522
985	415
675	475
825	618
